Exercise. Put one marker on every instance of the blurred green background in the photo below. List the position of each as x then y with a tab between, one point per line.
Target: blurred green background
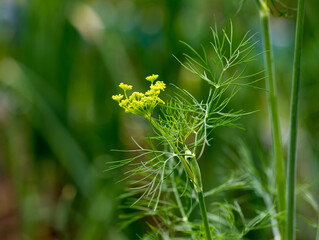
60	63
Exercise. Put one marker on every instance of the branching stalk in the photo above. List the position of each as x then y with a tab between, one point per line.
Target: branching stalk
292	149
183	160
194	175
273	107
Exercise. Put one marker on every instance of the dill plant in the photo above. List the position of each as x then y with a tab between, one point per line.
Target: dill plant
165	178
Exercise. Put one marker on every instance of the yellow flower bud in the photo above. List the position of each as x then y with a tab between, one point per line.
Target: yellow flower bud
124	103
117	97
150	92
159	86
137	95
151	78
125	86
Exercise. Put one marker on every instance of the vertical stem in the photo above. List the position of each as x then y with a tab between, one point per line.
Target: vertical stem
179	202
204	214
175	192
292	149
275	125
199	189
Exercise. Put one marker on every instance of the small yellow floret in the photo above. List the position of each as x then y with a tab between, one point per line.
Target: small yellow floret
125	86
150	92
158	86
137	95
117	97
137	104
148	100
152	78
124	103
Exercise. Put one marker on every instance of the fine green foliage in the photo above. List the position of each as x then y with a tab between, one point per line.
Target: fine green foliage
165	179
228	65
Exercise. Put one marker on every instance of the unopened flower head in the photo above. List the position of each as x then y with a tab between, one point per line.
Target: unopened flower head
152	78
152	92
125	87
160	85
117	97
137	95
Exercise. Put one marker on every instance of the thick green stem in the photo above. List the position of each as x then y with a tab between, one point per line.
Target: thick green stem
273	108
204	214
178	201
292	149
199	189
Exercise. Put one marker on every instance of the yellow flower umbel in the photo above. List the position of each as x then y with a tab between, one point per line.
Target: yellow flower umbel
138	103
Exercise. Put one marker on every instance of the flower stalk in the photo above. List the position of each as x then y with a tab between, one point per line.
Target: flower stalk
273	108
292	149
199	189
204	214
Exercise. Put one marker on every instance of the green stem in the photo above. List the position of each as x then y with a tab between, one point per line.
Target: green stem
275	125
199	189
183	160
292	149
194	174
204	214
178	200
179	203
